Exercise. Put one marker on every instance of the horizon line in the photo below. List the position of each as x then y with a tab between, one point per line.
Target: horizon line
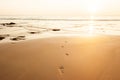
60	19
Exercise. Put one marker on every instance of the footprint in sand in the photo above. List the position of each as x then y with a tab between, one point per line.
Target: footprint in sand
60	72
62	46
67	54
61	69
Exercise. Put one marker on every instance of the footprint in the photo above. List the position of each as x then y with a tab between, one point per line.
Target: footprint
61	69
62	46
67	54
61	72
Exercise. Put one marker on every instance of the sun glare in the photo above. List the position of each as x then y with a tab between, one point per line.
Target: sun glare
91	28
93	9
94	6
52	7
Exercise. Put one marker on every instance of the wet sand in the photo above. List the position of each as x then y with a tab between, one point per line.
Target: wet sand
61	58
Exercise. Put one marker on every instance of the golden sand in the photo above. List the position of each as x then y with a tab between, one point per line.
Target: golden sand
61	58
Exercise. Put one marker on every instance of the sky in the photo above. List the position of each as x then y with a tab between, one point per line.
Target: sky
60	7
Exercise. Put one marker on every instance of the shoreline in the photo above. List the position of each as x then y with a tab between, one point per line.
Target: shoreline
59	36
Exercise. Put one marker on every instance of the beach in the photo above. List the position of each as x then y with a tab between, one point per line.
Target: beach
61	58
59	49
59	39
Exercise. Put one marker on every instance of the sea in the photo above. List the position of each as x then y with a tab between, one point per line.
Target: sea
66	26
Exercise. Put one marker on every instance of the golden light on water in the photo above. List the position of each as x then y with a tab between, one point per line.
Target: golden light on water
91	28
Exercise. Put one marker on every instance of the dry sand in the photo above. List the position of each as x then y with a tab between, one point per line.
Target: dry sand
61	58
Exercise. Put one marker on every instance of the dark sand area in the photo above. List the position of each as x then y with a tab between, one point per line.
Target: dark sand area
61	58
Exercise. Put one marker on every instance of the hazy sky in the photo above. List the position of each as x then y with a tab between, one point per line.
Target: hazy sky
60	7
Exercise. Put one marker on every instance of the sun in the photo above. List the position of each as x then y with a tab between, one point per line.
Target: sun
94	7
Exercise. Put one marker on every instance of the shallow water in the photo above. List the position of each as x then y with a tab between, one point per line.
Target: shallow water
68	26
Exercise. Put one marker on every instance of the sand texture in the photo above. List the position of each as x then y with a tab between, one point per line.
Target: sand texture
61	58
